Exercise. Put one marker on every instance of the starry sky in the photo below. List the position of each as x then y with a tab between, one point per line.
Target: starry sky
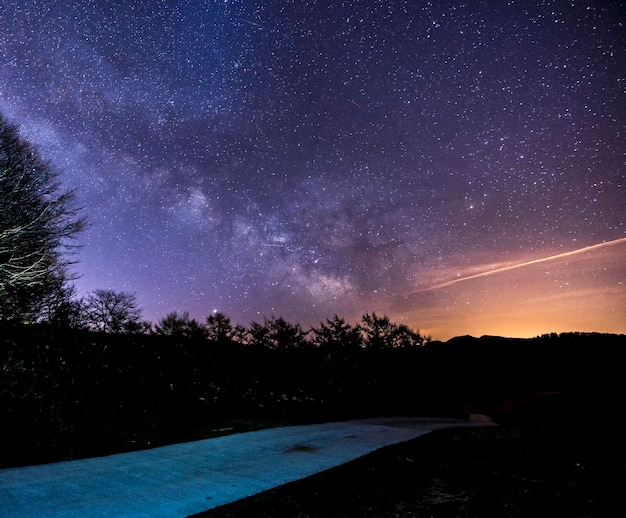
458	166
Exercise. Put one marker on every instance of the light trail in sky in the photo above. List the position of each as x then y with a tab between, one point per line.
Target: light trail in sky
522	264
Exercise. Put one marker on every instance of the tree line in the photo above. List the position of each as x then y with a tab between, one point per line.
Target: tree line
114	312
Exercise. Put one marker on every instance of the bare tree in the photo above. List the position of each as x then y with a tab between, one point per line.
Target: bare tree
113	312
37	223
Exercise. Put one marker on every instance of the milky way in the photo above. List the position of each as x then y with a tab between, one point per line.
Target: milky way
307	158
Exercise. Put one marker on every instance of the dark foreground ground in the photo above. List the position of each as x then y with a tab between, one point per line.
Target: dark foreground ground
530	465
75	394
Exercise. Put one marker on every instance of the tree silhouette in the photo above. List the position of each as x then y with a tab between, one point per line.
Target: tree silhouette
37	223
405	337
220	330
378	331
258	335
336	334
180	326
381	333
61	308
112	312
277	333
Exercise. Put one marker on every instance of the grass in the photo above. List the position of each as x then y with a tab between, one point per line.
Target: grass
529	467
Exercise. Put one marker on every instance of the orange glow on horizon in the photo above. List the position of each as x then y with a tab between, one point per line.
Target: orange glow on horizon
579	290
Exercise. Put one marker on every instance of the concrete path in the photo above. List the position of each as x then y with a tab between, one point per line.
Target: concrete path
183	479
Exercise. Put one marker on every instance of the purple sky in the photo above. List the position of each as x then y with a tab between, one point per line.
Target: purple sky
304	158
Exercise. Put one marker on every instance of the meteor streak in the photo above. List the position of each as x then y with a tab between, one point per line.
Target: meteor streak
522	265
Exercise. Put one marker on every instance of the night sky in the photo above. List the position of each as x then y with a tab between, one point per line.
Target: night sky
458	166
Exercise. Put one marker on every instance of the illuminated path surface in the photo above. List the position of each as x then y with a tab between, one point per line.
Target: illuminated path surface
183	479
